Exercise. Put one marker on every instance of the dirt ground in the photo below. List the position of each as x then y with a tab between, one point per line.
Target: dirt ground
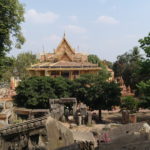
116	116
112	117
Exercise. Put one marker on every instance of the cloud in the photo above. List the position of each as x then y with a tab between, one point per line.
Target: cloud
75	29
107	20
38	17
73	18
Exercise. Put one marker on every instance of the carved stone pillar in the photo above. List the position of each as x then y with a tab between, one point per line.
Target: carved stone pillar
46	73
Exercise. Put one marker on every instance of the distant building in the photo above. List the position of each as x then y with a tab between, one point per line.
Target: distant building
63	62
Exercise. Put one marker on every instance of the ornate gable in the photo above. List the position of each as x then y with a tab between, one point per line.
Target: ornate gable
65	57
64	50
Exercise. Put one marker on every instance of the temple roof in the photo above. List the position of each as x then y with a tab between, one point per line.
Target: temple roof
65	43
63	52
64	57
64	64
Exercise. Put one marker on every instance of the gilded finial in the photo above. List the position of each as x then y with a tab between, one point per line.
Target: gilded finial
64	34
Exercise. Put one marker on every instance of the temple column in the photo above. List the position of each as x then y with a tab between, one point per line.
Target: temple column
60	73
46	73
37	73
70	75
80	72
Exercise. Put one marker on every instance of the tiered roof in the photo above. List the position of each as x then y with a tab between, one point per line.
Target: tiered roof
64	57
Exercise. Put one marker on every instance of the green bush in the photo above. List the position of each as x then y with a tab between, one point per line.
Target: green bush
130	103
35	92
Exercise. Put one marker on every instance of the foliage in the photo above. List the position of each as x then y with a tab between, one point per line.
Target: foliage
127	66
129	103
96	91
93	59
35	92
145	44
104	95
144	89
11	16
91	89
103	74
17	67
6	68
22	62
81	87
144	73
108	63
145	63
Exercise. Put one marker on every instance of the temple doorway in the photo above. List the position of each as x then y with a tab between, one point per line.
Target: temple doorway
65	74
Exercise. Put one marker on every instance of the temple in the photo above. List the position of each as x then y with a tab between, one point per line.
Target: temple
63	62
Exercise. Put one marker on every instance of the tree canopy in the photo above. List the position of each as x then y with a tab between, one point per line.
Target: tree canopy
35	92
144	73
17	67
11	17
130	103
145	62
91	89
96	91
127	66
134	68
22	62
93	59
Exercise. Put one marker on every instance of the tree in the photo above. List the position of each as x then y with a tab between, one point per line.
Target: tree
62	87
11	17
6	68
17	67
108	63
22	62
129	103
96	91
93	59
81	88
145	45
106	95
145	62
35	92
127	66
144	90
144	73
120	64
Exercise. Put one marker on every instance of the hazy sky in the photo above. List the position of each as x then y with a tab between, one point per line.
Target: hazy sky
106	28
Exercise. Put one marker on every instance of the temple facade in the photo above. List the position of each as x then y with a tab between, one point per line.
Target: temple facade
65	62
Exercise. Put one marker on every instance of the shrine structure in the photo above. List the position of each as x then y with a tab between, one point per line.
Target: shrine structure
65	62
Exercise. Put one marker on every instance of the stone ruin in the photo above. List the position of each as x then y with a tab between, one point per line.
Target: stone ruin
69	107
7	90
6	102
6	112
48	133
43	133
40	129
125	91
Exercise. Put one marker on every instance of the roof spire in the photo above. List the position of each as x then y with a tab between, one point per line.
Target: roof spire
64	34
